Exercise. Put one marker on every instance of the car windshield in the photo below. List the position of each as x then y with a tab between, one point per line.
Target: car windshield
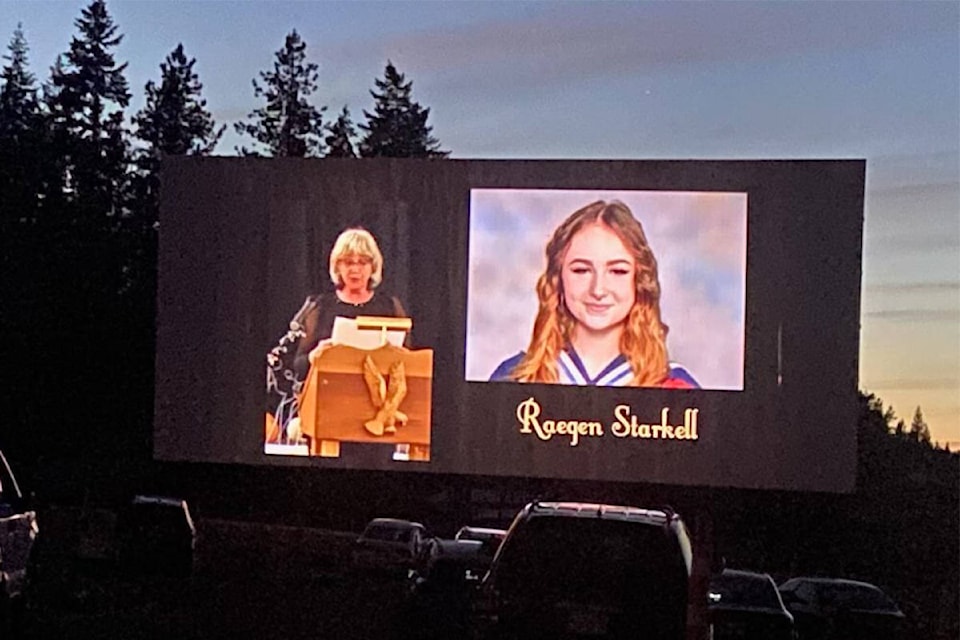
743	590
592	560
388	533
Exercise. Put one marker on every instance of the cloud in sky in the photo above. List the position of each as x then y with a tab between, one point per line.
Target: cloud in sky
909	173
681	67
916	315
916	383
914	287
925	241
586	41
650	79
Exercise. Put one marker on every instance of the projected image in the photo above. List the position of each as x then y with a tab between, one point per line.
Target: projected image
607	288
458	318
342	371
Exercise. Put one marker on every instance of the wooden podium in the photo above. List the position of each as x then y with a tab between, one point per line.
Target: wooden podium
379	396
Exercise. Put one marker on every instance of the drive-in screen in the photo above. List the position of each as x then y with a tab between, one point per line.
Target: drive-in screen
688	322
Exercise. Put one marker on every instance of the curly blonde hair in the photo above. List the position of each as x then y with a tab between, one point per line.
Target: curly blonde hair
644	339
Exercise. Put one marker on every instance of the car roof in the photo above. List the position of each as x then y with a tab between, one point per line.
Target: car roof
655	517
743	573
664	519
483	530
836	581
394	522
457	547
165	501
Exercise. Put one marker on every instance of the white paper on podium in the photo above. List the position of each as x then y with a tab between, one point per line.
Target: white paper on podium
345	332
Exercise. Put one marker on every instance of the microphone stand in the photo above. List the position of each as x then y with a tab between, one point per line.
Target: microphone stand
281	378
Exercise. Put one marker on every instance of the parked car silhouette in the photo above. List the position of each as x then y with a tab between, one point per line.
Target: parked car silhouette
570	570
442	589
831	608
389	545
156	536
746	606
18	530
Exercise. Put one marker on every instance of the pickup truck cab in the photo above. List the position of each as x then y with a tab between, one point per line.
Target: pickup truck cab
575	569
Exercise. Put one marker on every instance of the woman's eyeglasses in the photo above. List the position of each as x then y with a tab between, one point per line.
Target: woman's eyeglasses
360	261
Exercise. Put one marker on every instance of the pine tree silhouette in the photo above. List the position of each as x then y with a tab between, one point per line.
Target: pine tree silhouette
397	128
288	125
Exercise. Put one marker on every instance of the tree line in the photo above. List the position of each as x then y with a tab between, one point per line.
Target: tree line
79	187
68	142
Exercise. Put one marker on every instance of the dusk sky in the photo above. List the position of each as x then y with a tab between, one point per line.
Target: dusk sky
638	80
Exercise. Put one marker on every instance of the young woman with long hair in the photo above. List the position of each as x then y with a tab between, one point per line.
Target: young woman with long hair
599	308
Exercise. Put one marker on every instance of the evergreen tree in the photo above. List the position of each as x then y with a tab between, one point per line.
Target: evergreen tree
340	137
58	188
174	121
78	261
919	430
19	106
288	125
86	101
900	429
21	137
87	202
889	415
21	254
874	419
397	128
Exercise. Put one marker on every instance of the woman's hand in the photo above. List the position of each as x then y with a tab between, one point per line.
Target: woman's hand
318	350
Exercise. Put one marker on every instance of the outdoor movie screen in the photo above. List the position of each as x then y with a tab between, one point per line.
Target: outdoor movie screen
689	322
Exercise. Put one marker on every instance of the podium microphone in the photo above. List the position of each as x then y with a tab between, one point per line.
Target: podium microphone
296	323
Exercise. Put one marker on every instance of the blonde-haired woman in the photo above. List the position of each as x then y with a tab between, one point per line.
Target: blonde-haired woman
356	270
599	317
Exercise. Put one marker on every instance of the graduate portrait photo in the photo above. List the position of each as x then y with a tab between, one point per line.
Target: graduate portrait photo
607	288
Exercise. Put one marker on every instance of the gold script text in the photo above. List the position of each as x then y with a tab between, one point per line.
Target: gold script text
528	414
627	425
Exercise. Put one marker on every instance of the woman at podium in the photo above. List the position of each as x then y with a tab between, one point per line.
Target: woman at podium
356	269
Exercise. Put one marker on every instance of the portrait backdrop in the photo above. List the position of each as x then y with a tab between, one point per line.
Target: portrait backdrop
698	238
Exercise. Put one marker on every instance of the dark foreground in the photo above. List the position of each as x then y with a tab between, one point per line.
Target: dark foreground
249	581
